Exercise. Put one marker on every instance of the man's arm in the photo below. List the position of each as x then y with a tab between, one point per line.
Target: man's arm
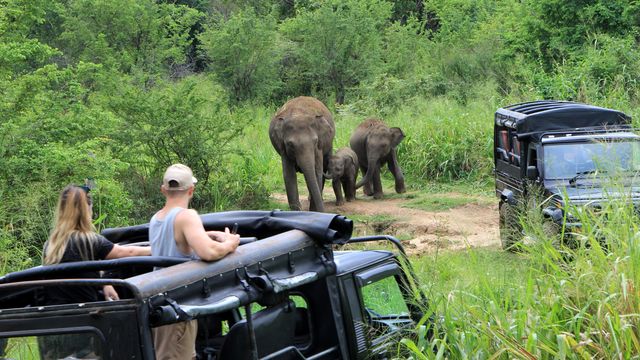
189	223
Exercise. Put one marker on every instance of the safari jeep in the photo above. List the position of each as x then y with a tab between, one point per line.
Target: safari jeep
565	151
283	294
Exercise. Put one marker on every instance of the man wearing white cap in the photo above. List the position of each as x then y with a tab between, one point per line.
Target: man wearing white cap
178	231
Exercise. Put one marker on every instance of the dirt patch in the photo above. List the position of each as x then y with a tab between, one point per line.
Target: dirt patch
474	224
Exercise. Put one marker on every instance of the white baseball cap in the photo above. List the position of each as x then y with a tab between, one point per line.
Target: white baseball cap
178	177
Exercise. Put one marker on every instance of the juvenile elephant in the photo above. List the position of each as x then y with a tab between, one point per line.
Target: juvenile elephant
375	144
343	170
302	132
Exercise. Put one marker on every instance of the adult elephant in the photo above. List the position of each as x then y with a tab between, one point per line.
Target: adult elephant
302	132
375	144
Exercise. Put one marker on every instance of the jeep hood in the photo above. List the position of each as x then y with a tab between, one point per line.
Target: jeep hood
590	192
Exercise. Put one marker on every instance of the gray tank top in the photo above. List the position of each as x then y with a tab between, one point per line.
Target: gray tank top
161	237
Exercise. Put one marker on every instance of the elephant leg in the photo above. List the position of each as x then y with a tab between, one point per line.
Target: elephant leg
367	188
320	167
395	169
377	184
291	183
338	191
350	188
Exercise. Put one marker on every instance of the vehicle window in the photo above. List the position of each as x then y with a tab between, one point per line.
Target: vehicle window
508	146
303	322
532	158
515	154
61	346
564	161
503	145
383	298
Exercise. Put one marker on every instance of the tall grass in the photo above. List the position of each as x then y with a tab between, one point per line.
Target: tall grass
551	301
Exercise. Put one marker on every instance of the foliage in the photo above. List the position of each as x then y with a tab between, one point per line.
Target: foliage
186	122
242	52
116	90
337	44
550	301
128	35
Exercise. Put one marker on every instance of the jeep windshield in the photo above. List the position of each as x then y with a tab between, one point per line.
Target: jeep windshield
580	160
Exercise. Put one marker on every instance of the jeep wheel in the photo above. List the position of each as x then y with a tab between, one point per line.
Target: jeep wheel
510	233
550	228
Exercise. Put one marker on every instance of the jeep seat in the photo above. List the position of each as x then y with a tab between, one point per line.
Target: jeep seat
274	328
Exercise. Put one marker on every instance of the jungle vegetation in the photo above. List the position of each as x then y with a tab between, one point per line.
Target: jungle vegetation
117	90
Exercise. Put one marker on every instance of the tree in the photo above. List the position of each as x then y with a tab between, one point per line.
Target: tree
338	44
127	35
243	55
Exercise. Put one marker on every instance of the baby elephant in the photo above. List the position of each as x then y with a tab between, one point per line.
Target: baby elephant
343	168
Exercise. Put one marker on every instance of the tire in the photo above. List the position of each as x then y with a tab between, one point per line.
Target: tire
550	228
510	229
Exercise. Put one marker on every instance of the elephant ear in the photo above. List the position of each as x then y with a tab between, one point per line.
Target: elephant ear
351	159
323	120
396	136
275	132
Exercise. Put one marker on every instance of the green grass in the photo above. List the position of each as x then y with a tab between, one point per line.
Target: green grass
467	270
23	348
546	302
442	202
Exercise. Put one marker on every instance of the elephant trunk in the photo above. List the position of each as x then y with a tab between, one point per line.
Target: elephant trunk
328	176
369	175
309	171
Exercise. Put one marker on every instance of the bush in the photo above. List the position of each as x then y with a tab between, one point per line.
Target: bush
242	52
548	302
187	122
338	44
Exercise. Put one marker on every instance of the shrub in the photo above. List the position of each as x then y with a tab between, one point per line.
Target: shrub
242	52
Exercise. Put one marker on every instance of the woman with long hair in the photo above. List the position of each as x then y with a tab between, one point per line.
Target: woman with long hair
74	238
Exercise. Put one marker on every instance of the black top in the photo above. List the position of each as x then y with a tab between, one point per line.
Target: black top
536	117
325	228
100	248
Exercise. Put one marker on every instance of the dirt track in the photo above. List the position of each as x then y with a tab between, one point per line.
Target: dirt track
473	224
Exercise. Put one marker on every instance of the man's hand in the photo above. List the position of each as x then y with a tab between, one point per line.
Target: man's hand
232	240
226	237
110	294
218	236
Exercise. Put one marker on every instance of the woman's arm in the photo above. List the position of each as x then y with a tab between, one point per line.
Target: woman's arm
110	293
127	251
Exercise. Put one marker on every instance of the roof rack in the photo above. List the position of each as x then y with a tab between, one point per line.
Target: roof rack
531	119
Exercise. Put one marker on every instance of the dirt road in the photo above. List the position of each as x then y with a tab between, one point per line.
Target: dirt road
474	224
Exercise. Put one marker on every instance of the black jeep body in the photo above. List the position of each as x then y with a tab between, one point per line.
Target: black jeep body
565	151
283	294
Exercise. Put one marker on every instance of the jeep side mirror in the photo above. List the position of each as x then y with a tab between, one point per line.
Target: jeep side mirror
532	172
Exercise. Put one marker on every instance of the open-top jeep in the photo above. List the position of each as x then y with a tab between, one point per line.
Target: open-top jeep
283	294
564	151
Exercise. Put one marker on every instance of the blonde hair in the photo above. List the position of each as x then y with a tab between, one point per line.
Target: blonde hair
72	221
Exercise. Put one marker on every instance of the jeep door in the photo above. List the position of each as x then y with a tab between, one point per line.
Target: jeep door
84	331
376	303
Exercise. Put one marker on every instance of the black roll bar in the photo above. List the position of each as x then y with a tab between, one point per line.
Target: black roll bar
53	271
394	240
